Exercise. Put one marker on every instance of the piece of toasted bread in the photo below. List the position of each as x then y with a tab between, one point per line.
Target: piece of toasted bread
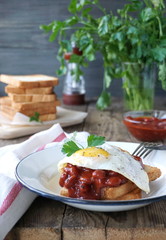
126	191
6	101
28	112
32	97
29	81
42	117
47	117
134	194
127	188
110	193
64	192
153	172
21	90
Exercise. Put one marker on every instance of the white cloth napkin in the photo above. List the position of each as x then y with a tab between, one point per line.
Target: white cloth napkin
15	199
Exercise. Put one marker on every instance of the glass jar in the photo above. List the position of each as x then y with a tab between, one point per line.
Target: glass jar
74	85
139	85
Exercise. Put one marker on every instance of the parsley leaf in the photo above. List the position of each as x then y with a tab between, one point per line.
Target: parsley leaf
69	148
136	33
35	117
94	140
104	100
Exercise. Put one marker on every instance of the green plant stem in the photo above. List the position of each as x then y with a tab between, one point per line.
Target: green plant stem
160	27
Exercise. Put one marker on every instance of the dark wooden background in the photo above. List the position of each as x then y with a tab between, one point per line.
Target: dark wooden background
25	49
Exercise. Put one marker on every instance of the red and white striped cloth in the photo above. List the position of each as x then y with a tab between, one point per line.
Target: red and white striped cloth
15	199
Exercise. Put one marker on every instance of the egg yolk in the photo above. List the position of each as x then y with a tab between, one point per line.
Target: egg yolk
92	152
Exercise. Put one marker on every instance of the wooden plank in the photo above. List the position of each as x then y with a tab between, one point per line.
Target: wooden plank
25	49
31	13
144	223
77	127
106	123
81	224
20	21
42	221
138	224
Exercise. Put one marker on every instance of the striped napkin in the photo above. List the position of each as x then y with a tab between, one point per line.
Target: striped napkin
15	199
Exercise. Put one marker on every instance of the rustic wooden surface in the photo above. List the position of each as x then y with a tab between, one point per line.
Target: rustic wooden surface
47	219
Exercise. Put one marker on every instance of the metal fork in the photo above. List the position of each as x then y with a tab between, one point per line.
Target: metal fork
143	151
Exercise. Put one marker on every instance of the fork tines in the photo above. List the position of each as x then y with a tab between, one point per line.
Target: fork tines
142	151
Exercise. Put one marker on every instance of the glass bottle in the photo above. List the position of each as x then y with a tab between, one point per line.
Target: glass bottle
74	89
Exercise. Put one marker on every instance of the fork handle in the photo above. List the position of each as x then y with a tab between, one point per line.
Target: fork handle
163	147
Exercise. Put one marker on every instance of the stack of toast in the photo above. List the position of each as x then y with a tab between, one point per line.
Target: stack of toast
29	94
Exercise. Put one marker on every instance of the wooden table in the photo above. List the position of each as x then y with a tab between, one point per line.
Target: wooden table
47	219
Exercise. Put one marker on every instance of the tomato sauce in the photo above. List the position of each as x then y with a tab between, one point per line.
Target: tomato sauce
86	183
149	129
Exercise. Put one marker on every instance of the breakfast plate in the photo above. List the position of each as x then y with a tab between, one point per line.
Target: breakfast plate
21	126
38	172
65	117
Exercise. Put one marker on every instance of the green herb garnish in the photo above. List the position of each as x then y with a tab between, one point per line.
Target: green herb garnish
35	117
71	147
94	140
136	33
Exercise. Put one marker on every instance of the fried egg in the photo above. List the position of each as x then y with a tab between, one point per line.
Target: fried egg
108	157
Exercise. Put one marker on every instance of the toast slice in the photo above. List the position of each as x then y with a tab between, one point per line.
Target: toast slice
126	191
5	101
29	81
28	112
42	117
35	106
19	106
153	172
135	194
17	98
21	90
110	193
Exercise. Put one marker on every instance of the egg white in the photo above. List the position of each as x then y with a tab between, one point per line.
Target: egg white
118	161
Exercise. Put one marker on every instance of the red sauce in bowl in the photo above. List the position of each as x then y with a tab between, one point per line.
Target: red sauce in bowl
87	183
149	129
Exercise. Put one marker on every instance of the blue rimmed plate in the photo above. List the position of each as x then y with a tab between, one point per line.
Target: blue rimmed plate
38	172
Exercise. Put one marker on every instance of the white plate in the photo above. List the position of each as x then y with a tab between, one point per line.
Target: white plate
65	117
38	172
22	127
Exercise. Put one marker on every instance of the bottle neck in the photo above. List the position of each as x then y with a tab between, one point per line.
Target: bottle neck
71	66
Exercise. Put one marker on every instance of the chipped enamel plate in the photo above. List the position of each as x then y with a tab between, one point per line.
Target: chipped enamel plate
38	172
